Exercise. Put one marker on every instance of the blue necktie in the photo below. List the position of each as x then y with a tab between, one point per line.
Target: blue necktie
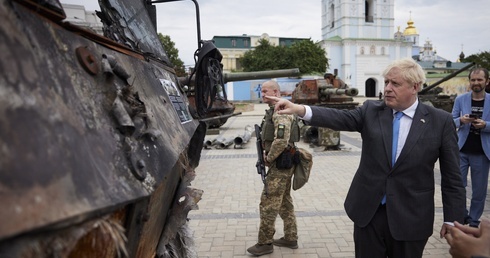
396	132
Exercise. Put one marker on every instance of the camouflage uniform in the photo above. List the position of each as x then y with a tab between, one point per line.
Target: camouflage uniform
278	199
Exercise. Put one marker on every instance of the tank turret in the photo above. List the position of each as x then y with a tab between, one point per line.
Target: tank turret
322	92
329	92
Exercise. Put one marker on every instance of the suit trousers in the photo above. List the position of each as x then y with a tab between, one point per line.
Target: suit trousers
478	165
376	241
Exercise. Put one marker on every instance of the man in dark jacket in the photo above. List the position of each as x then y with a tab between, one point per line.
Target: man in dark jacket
391	198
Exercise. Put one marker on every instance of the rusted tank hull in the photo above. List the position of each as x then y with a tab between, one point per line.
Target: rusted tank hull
329	92
324	92
86	150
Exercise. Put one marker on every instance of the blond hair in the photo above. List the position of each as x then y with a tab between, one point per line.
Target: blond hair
411	71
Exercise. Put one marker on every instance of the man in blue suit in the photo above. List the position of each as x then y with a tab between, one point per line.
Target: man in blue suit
471	112
392	202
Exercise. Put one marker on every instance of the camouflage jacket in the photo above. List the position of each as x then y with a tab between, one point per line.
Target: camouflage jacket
282	134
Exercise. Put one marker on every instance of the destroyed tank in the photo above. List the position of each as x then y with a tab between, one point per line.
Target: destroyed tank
431	95
328	92
221	109
98	145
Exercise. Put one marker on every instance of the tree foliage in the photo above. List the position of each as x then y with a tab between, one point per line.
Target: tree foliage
309	57
482	59
172	53
263	57
306	55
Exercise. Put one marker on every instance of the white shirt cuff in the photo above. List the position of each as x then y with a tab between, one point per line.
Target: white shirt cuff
308	113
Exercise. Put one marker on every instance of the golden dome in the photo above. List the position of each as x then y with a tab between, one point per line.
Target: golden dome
410	29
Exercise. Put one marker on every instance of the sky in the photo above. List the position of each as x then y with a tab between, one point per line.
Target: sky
452	26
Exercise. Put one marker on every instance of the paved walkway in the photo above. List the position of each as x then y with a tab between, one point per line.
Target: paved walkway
227	221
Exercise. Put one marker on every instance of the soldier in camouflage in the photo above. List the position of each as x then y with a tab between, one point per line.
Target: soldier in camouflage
279	132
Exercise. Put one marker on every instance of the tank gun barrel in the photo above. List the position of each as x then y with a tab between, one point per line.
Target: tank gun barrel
426	89
242	76
335	91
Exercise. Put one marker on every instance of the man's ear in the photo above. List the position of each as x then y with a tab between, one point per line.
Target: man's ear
417	87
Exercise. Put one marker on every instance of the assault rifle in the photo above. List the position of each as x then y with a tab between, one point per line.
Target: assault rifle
260	157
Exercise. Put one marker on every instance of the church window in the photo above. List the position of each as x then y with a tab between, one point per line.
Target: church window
332	15
368	11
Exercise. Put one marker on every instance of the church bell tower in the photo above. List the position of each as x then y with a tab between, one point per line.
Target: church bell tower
372	19
358	37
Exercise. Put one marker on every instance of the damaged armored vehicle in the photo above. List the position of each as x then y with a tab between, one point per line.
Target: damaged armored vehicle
329	92
98	140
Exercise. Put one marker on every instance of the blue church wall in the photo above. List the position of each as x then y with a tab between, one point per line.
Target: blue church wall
385	29
385	34
392	52
334	58
352	77
369	30
354	34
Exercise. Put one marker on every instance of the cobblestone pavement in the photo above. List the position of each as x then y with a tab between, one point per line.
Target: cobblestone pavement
227	221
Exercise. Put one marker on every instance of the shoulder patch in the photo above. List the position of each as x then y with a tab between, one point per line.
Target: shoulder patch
280	131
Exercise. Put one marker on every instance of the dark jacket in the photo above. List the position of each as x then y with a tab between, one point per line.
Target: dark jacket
409	185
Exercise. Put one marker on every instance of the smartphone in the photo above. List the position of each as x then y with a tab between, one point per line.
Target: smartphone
473	116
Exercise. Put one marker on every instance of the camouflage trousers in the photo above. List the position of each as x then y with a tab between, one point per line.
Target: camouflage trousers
277	201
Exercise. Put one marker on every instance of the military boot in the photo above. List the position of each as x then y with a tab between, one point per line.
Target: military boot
259	250
285	243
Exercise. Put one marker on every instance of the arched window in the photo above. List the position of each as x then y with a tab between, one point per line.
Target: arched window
368	11
332	15
372	51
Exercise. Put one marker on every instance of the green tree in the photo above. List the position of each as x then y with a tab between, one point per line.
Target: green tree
306	55
309	57
172	53
481	59
263	57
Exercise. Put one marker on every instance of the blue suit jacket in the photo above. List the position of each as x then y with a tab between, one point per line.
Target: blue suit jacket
462	106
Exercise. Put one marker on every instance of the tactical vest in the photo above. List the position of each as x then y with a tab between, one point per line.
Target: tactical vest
268	128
